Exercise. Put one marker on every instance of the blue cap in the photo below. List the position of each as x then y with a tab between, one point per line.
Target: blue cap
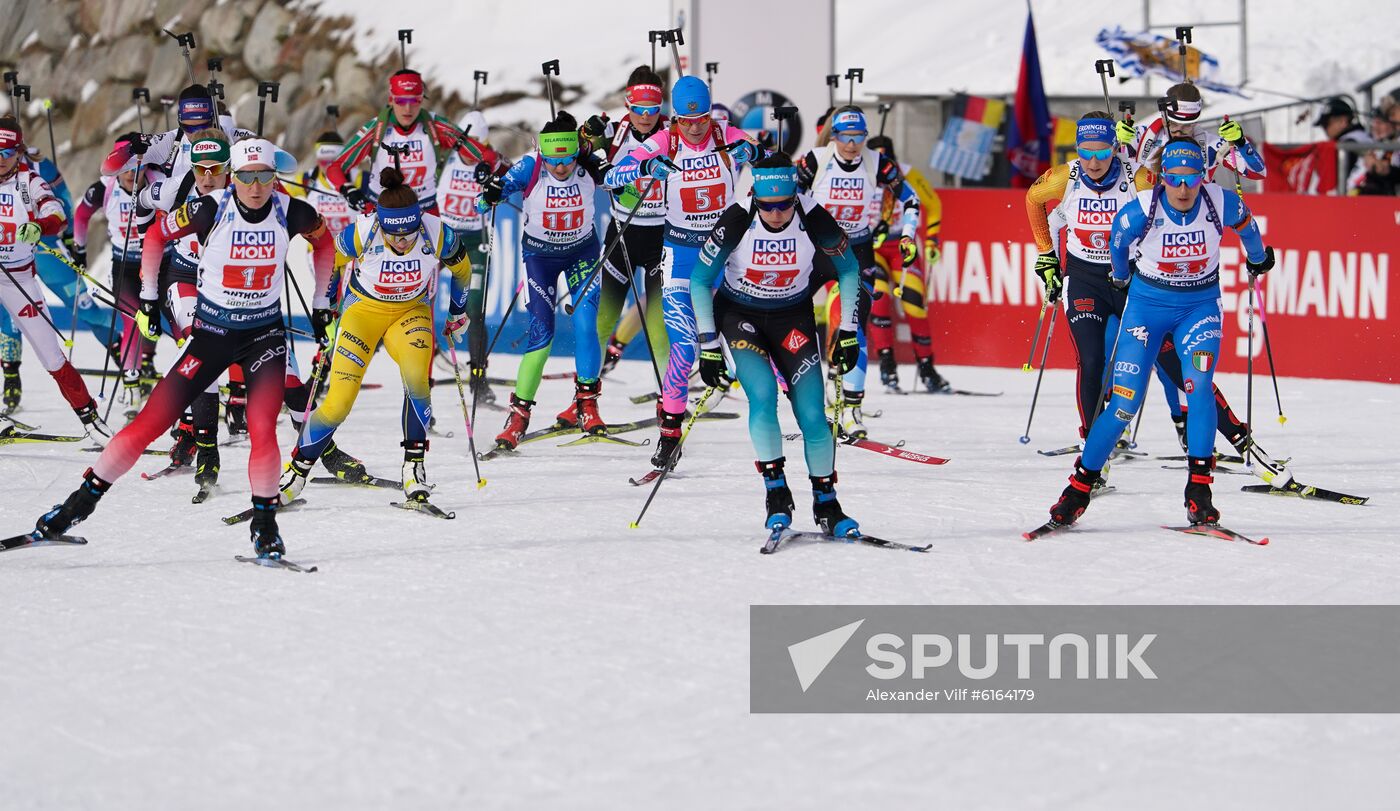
1093	129
1183	153
399	221
690	97
849	121
776	181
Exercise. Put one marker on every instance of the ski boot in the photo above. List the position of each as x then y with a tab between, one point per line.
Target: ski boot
668	445
13	389
148	374
267	541
206	468
1265	466
568	418
343	466
1199	509
586	404
236	409
612	356
182	452
517	421
930	379
853	423
415	479
1180	424
294	477
827	510
779	498
93	424
1075	498
131	397
889	369
78	506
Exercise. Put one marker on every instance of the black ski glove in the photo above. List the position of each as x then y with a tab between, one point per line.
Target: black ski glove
1263	266
846	353
354	196
712	369
321	320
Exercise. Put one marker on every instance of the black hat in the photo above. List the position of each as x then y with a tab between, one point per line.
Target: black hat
330	137
1334	106
195	91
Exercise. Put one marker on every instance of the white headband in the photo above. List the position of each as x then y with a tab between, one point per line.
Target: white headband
1185	112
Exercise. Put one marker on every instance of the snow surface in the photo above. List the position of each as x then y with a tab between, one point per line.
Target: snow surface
536	652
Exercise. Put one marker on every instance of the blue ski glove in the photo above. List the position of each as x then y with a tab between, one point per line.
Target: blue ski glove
743	152
659	167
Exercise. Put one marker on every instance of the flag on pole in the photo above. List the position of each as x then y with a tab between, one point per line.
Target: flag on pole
965	149
1147	53
1031	132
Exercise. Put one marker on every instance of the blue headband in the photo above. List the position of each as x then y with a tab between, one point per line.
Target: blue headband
1094	129
778	181
849	121
196	110
1183	153
399	221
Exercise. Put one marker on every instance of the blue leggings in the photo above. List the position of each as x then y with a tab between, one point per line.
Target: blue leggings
1193	321
677	261
541	289
759	341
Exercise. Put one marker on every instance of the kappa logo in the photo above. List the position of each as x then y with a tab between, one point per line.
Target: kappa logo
810	657
1139	333
795	340
188	367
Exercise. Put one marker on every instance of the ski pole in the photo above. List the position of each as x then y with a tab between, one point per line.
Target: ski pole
675	38
38	308
53	155
711	68
612	243
216	67
884	110
854	76
1035	339
478	79
405	37
137	95
654	37
266	91
699	408
462	397
1104	67
1035	397
1249	363
1269	352
642	303
479	363
1183	36
167	102
832	79
550	68
186	42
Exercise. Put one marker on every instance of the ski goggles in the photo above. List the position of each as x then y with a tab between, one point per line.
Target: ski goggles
262	177
406	101
851	137
1095	154
6	154
775	205
1190	180
693	120
209	169
564	161
645	109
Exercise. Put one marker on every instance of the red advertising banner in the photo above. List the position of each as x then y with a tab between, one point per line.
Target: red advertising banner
1330	306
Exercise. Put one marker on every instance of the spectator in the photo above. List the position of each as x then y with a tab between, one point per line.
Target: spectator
1338	121
1380	170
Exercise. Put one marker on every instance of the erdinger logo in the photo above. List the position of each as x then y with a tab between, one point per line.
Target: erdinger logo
848	188
563	196
253	245
774	252
700	167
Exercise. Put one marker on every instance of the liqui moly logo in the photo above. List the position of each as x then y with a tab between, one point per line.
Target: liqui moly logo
7	204
1097	210
700	167
1183	244
563	196
847	188
400	271
774	252
253	245
462	181
413	151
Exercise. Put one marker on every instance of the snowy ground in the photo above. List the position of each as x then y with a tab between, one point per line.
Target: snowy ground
536	652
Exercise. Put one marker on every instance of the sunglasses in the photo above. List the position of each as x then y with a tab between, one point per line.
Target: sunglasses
851	138
649	109
404	101
1190	181
248	177
6	154
564	161
775	205
693	120
209	169
1095	154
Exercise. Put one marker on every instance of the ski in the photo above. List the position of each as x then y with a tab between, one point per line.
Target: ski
31	539
1102	491
961	392
372	481
894	450
22	426
651	476
1045	530
11	433
247	514
775	537
275	563
166	471
146	452
1306	491
651	397
496	453
1219	457
203	494
612	440
854	537
1217	531
1065	451
424	507
1221	469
